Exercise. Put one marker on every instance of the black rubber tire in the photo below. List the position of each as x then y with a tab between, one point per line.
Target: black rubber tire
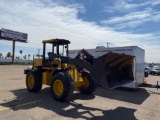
152	73
68	87
37	81
92	85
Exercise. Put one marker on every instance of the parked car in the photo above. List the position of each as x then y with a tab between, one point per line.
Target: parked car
147	69
155	70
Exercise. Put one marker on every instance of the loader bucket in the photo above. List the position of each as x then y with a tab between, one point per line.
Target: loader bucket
112	70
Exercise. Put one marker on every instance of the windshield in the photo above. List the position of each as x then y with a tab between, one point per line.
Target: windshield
62	50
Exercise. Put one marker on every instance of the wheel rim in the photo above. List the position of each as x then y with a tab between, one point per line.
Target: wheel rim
30	81
85	82
58	87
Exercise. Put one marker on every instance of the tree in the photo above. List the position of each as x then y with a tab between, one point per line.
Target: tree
17	57
29	56
21	53
24	56
8	54
0	55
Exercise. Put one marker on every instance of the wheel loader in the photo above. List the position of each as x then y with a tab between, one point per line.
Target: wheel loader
63	74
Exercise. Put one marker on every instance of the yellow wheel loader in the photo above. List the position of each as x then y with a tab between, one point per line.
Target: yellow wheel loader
63	74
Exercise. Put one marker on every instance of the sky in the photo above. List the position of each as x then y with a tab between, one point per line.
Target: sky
86	23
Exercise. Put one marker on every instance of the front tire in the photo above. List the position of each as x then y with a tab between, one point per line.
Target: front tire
88	86
152	73
33	81
62	87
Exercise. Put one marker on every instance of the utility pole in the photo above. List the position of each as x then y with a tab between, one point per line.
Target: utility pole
108	44
13	51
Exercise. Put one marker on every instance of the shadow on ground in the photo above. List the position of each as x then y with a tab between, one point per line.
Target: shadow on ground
136	96
71	109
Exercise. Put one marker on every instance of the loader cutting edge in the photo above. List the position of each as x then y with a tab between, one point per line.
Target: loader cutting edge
110	70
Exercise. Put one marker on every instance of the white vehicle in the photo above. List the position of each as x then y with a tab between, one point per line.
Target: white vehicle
138	66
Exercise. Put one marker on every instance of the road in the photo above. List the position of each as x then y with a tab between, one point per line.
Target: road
16	103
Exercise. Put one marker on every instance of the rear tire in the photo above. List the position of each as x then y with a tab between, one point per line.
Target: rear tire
62	87
88	86
152	73
33	81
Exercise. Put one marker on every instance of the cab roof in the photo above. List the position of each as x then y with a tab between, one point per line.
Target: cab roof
57	41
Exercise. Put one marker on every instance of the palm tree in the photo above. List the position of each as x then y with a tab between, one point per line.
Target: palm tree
21	53
24	56
0	55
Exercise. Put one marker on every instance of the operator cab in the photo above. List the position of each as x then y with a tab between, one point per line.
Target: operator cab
59	50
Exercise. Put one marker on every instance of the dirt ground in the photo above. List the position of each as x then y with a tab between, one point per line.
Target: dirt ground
16	103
